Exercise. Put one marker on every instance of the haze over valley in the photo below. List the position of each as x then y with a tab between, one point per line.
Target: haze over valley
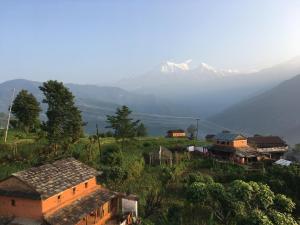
172	95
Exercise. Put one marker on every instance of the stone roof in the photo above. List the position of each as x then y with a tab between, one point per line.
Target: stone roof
73	213
229	137
176	131
51	179
266	141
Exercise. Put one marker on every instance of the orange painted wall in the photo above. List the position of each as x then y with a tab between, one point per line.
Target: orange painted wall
66	197
176	135
235	144
240	143
106	216
25	208
34	209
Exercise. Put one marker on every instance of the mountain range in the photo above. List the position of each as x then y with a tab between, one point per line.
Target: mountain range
205	90
172	95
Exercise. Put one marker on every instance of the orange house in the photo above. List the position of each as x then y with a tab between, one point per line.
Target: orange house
231	140
61	193
176	133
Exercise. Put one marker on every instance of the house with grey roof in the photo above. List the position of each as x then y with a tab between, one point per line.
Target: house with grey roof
64	192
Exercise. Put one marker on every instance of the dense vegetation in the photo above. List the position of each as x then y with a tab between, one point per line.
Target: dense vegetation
195	191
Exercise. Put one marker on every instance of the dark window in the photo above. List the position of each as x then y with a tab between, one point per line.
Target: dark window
227	142
86	184
58	198
13	202
74	190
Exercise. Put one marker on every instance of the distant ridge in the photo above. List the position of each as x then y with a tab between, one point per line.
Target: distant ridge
276	111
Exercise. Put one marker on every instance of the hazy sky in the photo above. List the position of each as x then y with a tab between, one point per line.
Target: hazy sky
96	41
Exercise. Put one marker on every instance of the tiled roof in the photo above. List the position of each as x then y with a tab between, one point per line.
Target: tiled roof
267	141
176	131
72	214
228	137
51	179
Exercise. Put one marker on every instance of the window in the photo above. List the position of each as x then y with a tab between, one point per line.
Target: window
13	202
74	190
86	184
58	198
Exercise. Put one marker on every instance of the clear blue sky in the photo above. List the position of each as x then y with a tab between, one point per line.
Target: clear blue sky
97	41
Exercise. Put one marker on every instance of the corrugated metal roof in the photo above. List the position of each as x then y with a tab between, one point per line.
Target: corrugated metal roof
283	162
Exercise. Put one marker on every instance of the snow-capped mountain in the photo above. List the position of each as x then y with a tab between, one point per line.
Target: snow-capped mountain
205	85
171	67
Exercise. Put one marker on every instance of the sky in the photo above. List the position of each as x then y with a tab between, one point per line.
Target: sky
103	41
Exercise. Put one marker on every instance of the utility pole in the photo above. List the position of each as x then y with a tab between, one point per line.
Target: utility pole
9	114
98	140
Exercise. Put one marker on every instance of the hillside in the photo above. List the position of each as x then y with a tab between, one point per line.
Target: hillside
96	102
275	111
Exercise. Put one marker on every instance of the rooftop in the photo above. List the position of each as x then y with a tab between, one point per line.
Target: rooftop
50	179
267	141
229	137
176	131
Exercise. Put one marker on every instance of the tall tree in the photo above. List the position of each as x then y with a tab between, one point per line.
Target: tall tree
64	124
123	125
191	131
26	109
141	130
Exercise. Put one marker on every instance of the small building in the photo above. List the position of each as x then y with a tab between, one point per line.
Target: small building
210	137
272	147
176	133
64	192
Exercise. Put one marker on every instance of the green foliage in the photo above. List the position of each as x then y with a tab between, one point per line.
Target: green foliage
64	124
141	130
26	109
111	156
257	217
167	175
124	127
284	204
191	131
197	193
279	218
233	204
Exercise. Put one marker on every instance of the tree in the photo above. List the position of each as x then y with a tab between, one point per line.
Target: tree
141	130
124	127
242	203
112	165
26	109
284	203
64	124
191	131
